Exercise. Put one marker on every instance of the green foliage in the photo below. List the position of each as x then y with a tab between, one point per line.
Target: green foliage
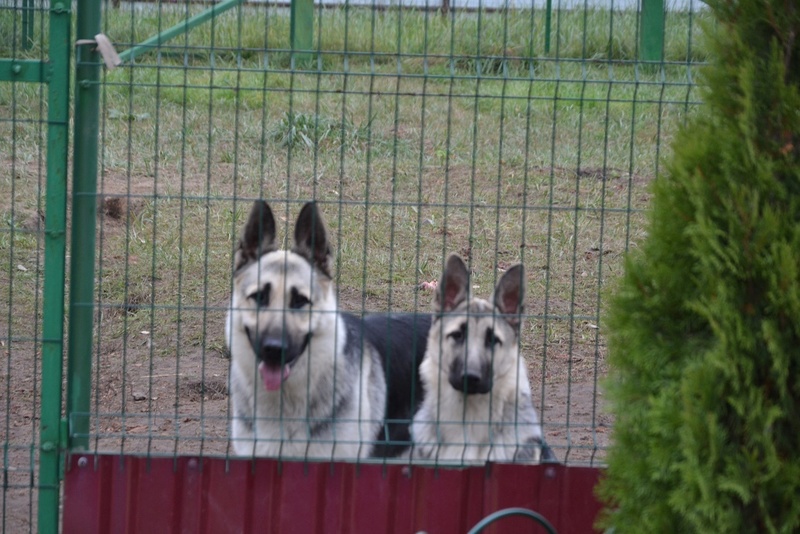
705	325
301	129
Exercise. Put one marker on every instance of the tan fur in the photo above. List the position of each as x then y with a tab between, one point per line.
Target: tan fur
332	404
499	425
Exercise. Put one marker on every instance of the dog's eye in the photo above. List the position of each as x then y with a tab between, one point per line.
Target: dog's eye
297	300
261	297
459	335
491	339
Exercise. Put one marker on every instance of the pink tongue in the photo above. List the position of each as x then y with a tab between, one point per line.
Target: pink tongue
272	377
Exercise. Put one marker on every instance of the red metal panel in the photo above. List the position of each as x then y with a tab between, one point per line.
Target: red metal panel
82	492
574	496
130	494
213	496
157	483
535	488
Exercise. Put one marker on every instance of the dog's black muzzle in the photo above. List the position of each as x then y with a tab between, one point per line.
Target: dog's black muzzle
277	351
470	381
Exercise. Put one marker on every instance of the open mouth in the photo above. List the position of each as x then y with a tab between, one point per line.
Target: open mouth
273	376
275	361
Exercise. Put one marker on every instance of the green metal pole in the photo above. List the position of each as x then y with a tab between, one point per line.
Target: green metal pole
55	244
301	33
548	14
178	29
27	24
84	212
651	30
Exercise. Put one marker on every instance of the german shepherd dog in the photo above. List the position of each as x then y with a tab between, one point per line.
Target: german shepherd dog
307	380
477	403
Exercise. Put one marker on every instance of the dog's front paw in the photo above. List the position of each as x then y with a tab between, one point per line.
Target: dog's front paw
423	452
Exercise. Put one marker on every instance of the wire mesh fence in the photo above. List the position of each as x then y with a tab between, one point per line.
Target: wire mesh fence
23	131
417	134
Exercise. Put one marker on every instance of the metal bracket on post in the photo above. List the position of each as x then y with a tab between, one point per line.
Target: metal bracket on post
106	49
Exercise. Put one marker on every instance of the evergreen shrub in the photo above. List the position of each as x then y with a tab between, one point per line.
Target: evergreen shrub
704	327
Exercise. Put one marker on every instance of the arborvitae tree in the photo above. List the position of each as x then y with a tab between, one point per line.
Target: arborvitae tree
704	328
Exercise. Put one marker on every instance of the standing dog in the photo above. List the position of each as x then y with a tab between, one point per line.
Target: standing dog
307	380
477	405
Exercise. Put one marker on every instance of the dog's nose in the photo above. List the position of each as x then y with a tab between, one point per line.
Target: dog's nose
271	351
471	383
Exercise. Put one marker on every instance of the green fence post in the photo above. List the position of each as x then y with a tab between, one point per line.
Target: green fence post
84	212
27	24
55	244
651	30
548	15
302	29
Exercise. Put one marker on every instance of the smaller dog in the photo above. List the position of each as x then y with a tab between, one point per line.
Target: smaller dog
477	403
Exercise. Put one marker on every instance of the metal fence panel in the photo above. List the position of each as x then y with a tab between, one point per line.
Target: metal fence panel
419	135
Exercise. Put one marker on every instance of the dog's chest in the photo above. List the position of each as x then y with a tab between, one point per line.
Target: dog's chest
479	418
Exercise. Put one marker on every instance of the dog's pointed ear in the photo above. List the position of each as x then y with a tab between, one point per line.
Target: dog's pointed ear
509	295
258	235
311	238
454	286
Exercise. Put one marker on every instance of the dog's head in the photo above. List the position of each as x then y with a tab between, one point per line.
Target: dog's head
280	296
476	340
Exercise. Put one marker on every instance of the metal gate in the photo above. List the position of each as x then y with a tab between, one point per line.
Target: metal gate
34	120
